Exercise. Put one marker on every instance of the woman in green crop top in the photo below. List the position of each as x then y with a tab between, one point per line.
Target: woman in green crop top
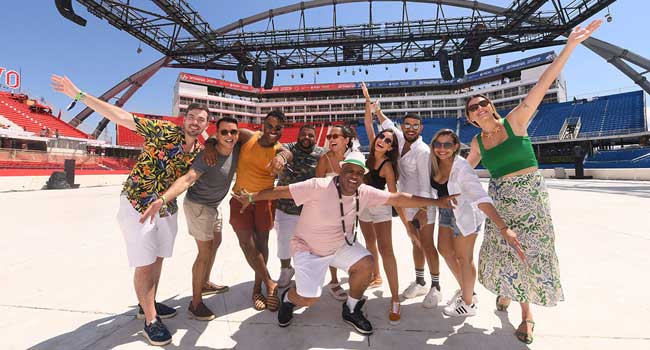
519	194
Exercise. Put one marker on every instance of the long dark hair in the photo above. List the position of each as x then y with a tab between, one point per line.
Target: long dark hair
495	114
347	133
392	155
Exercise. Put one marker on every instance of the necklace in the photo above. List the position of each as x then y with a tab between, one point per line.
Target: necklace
356	213
495	131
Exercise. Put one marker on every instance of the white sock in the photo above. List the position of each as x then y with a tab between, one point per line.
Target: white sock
286	298
352	302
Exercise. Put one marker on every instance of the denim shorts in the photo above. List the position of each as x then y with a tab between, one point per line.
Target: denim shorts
446	218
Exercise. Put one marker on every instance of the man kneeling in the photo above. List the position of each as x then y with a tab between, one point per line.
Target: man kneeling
326	235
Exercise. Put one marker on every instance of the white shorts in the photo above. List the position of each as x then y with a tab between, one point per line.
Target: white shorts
311	269
431	214
285	226
145	242
378	214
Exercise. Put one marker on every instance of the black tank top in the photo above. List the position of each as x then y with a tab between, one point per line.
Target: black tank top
375	180
441	188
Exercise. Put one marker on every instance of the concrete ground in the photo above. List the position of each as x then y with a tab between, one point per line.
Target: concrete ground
66	283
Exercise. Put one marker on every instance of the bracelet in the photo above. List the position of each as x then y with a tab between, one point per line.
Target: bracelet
250	198
504	228
164	200
283	158
80	95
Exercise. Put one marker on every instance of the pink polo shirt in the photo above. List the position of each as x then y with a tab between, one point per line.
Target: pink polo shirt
319	229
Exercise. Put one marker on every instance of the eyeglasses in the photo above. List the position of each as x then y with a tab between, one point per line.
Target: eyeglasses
408	126
232	132
474	107
387	140
273	128
445	145
333	136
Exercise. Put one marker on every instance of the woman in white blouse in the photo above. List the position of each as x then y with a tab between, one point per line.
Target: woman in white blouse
459	227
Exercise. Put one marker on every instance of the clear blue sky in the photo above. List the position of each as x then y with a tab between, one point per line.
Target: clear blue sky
39	42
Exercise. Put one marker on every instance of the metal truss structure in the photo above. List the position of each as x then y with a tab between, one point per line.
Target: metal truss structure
186	40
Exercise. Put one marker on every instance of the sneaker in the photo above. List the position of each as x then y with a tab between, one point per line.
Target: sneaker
285	314
156	333
394	313
459	308
414	290
201	312
357	319
286	273
211	288
163	311
459	295
432	299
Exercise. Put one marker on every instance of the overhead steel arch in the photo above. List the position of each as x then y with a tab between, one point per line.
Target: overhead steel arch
304	5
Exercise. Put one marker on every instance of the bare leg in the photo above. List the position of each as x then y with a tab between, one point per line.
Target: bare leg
464	247
216	242
360	275
261	240
446	249
144	281
200	269
431	254
255	259
370	237
385	240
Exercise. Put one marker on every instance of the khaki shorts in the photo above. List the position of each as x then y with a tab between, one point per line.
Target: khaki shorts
203	222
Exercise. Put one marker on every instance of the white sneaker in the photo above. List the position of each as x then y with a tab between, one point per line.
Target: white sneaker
453	299
432	299
459	308
285	276
414	290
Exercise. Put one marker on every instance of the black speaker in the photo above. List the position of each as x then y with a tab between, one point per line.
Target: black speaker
241	74
459	66
68	166
476	62
257	76
66	10
270	74
57	181
443	57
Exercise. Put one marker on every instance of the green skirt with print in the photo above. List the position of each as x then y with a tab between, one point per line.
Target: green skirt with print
522	201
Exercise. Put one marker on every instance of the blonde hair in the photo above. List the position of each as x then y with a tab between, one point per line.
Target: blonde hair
435	167
495	114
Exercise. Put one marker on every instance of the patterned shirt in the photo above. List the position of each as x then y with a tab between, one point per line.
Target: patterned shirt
301	168
161	162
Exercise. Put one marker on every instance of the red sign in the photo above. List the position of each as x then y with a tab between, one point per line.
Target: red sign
276	89
11	78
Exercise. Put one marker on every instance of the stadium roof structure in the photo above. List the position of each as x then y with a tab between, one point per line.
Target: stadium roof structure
187	40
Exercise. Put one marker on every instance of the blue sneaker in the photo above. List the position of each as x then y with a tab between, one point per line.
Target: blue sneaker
162	310
156	333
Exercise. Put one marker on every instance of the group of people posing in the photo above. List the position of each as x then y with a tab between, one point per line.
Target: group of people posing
323	195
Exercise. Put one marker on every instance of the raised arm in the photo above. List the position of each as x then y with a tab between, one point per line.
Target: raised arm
179	186
520	115
367	120
113	113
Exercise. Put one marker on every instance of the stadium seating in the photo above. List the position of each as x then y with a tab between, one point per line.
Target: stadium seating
20	114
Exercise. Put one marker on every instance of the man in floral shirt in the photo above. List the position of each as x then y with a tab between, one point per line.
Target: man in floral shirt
168	153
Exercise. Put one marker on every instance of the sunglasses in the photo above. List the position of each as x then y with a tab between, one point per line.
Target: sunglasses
387	140
232	132
408	126
474	107
333	136
273	128
445	145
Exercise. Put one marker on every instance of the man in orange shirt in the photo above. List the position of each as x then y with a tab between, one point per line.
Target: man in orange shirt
259	163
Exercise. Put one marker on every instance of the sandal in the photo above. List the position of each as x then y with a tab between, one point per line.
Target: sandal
376	283
524	337
502	307
259	301
272	301
337	292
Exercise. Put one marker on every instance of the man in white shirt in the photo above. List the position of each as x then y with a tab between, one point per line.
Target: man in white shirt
414	174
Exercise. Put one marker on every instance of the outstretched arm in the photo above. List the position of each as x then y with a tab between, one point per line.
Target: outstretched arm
406	200
246	198
520	116
113	113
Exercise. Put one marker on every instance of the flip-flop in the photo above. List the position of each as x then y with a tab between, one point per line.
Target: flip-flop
259	301
272	301
501	307
337	292
524	337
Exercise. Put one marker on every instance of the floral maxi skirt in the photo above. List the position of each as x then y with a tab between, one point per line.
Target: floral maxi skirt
523	203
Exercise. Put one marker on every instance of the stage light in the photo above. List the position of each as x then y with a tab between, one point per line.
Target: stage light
366	72
338	72
406	69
